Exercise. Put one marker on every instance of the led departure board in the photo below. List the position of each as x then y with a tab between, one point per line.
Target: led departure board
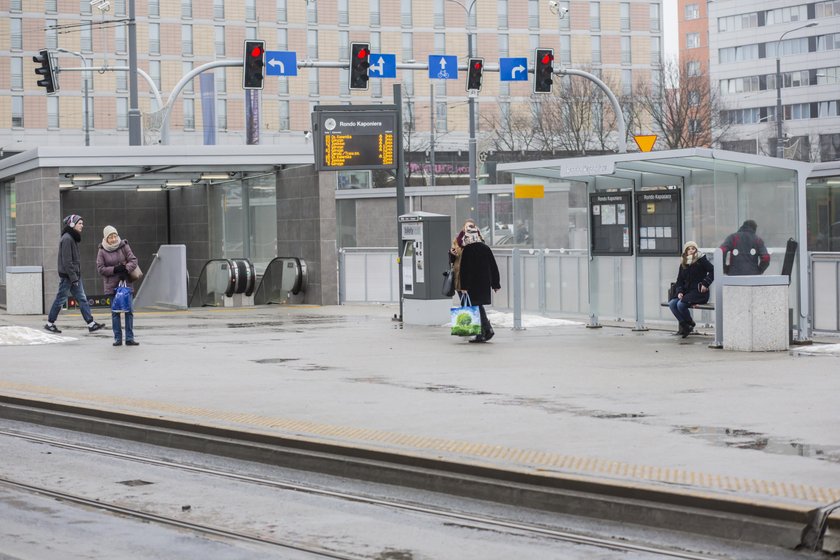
356	140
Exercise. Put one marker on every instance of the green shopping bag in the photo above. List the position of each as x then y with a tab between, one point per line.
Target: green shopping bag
466	319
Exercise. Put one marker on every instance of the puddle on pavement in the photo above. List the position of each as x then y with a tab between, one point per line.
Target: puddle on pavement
274	360
745	439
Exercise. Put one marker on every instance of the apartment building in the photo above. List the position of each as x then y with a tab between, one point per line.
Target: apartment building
617	39
745	40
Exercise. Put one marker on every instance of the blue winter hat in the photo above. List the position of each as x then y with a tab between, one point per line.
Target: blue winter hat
72	220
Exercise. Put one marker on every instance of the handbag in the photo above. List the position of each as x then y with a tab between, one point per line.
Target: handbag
135	274
672	291
466	319
448	287
122	302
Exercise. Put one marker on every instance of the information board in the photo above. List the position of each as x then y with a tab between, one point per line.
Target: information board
355	139
659	219
612	223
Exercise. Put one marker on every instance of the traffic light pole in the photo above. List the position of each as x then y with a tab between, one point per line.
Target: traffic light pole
619	114
135	133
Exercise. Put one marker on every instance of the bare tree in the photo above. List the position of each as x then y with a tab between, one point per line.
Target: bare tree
682	106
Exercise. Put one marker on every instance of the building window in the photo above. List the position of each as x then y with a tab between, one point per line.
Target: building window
830	147
153	6
120	8
624	16
626	82
154	38
120	44
51	26
828	9
693	98
693	68
786	15
186	40
596	49
565	49
122	76
405	13
440	116
52	112
16	34
186	68
220	40
374	12
533	15
407	47
824	43
283	111
221	82
50	6
736	23
501	14
15	5
17	72
189	114
218	9
655	51
122	113
154	72
312	12
692	11
626	53
17	111
221	114
655	18
738	54
281	11
251	10
695	126
595	16
343	12
312	44
565	20
186	9
90	111
251	33
692	40
313	82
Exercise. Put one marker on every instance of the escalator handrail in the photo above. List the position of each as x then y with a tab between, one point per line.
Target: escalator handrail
231	279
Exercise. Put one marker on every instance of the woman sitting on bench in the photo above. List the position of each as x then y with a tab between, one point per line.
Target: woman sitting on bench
695	276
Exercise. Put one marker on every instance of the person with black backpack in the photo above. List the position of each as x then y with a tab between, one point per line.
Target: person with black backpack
744	252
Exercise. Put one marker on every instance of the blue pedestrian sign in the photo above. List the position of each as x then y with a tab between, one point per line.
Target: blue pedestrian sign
382	65
513	69
443	67
280	63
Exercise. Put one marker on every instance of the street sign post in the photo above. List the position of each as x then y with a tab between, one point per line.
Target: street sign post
443	67
513	69
280	63
382	66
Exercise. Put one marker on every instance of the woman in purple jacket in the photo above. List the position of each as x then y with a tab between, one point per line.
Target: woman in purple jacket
114	262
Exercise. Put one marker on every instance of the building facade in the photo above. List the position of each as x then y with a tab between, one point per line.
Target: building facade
745	41
620	40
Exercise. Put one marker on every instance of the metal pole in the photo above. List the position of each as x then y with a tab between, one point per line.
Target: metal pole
432	130
473	170
134	123
516	263
780	148
400	190
619	114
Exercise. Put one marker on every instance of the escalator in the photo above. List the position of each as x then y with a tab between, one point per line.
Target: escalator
226	278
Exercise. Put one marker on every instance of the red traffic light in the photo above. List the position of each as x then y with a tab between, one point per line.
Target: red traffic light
477	65
547	58
363	53
256	51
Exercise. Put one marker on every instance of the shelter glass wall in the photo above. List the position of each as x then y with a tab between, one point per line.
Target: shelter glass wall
243	220
8	236
823	196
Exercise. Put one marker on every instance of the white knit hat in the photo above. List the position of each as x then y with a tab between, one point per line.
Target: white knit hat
108	231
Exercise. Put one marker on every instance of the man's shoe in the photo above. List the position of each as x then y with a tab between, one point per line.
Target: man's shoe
132	343
52	328
95	327
479	338
488	334
118	343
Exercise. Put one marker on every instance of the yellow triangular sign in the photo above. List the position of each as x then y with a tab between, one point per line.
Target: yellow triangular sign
645	141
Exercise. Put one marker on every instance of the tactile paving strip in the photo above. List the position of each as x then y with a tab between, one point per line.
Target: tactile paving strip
540	462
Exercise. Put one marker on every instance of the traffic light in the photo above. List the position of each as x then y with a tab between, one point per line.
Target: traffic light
253	71
47	70
359	64
543	70
475	74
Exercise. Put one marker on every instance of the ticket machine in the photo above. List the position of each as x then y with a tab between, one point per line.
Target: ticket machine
424	258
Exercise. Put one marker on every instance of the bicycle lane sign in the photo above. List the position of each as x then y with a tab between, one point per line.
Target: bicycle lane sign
443	67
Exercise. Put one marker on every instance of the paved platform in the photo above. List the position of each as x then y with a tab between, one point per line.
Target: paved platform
642	409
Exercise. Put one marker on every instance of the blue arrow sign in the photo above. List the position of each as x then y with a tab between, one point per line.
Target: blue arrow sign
443	67
513	69
382	65
280	63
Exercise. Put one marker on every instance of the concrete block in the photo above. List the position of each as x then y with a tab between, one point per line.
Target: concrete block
755	318
24	290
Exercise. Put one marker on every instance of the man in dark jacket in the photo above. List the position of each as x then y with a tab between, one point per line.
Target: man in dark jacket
70	275
744	252
479	273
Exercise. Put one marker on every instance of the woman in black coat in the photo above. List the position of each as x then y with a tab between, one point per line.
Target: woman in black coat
695	276
479	274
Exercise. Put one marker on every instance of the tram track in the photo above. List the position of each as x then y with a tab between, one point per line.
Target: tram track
449	516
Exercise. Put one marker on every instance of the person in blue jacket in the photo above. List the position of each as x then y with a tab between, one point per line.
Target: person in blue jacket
695	276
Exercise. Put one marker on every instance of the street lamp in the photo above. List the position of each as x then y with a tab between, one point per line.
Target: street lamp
471	103
780	149
86	77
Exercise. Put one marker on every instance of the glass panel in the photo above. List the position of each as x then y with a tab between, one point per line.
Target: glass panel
262	220
8	214
227	230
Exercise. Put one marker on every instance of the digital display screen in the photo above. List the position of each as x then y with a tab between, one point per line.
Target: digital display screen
357	140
